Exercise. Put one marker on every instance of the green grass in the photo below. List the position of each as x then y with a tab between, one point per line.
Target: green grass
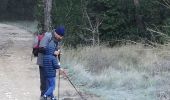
121	73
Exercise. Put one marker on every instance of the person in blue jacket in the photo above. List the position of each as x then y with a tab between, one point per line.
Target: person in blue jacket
50	64
50	40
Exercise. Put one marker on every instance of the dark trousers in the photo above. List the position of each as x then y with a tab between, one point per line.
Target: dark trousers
43	81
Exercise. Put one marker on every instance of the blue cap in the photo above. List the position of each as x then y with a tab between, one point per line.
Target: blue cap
60	30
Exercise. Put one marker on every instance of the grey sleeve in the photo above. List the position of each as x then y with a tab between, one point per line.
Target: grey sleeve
45	40
59	45
35	43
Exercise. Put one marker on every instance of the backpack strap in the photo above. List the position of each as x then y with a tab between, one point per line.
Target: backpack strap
39	39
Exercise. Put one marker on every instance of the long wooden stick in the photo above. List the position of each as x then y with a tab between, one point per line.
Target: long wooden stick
58	84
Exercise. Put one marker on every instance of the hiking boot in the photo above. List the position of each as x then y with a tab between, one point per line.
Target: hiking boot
44	97
54	98
41	98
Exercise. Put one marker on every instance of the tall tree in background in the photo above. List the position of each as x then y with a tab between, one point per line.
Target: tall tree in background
47	14
69	13
138	17
93	21
39	14
103	21
43	14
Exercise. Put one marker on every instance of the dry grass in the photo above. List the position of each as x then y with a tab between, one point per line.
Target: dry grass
130	72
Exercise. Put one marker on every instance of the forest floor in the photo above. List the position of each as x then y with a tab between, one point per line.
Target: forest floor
19	76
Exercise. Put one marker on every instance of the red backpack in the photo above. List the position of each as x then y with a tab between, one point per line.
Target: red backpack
35	50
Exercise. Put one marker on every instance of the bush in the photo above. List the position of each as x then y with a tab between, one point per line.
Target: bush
131	72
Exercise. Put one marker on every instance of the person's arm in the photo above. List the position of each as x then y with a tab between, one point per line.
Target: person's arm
55	63
57	53
44	42
35	43
58	50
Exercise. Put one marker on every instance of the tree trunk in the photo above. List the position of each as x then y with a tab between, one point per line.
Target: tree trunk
136	3
138	17
47	14
98	23
94	42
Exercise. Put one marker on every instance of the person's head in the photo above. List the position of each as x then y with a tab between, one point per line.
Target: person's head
59	33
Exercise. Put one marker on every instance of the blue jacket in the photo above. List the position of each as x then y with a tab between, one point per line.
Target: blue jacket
43	43
50	62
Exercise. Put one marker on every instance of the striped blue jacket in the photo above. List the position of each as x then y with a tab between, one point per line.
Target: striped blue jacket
50	62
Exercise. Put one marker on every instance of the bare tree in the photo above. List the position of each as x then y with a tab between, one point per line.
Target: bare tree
47	14
136	2
165	3
94	24
94	28
138	17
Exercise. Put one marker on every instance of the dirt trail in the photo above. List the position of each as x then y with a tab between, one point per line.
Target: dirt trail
19	76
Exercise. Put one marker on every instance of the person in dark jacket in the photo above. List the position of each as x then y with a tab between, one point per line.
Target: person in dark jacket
56	35
50	64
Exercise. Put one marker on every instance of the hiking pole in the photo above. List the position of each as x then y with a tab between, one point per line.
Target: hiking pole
58	84
58	58
74	86
31	56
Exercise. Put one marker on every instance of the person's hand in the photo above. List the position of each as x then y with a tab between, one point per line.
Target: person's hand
57	52
62	72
